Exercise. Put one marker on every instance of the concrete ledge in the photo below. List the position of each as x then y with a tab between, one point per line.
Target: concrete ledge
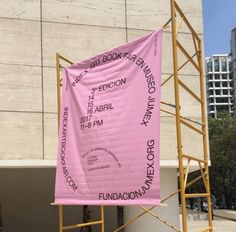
227	214
52	163
27	163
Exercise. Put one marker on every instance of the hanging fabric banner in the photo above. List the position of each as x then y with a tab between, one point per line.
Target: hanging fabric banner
109	136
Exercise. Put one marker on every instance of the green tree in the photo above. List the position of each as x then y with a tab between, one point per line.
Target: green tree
222	137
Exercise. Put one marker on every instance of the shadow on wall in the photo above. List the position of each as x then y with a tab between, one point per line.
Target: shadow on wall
26	195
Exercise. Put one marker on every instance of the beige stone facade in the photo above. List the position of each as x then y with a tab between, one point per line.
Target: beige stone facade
32	31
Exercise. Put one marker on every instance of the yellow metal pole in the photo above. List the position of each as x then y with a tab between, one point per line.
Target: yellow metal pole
191	195
194	158
205	148
191	127
189	91
207	229
160	219
163	200
186	173
102	219
65	59
202	173
58	89
187	55
60	218
179	25
178	69
177	110
58	120
187	185
81	225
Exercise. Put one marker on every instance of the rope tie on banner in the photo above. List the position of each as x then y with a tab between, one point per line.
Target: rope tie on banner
194	121
168	104
166	25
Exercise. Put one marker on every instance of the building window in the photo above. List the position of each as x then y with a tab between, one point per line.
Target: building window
216	64
210	84
209	66
223	64
217	84
222	108
217	77
222	100
230	65
217	92
211	108
224	76
209	76
211	100
225	92
210	92
224	84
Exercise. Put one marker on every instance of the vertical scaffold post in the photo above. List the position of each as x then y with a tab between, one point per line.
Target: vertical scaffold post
205	148
60	207
177	111
102	219
60	218
58	89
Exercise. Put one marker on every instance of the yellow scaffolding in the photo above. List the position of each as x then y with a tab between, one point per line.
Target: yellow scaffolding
198	65
177	47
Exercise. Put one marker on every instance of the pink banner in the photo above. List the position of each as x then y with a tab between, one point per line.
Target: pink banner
108	151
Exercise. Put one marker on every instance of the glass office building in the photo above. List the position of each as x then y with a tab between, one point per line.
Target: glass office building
219	84
233	67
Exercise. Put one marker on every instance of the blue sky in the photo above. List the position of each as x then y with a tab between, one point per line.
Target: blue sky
219	19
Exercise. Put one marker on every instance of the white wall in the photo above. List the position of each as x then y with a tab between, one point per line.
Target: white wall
170	213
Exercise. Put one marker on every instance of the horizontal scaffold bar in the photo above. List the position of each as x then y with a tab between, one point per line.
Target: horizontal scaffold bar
65	59
207	229
192	195
81	225
194	158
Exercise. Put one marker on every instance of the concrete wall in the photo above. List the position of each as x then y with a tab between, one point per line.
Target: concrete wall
169	212
26	195
32	31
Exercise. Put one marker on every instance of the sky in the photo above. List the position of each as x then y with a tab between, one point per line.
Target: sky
219	19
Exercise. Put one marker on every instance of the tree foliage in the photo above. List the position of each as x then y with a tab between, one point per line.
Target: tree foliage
222	137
